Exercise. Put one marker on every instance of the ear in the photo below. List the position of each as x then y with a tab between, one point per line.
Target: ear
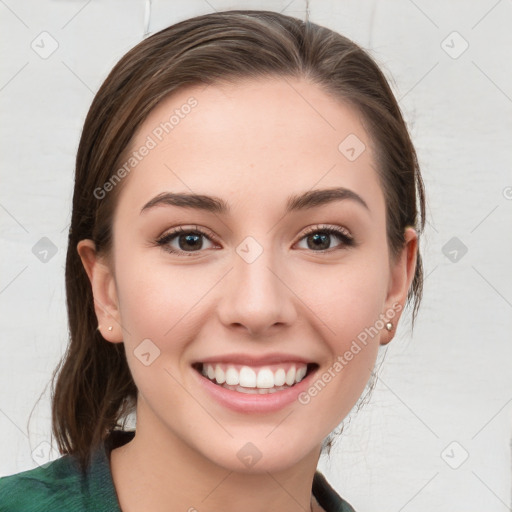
104	291
402	272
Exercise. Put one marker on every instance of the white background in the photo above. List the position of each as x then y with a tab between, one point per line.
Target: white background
450	381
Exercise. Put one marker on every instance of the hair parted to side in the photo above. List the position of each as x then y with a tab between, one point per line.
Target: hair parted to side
93	390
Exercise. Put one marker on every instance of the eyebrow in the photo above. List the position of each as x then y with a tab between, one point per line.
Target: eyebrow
309	199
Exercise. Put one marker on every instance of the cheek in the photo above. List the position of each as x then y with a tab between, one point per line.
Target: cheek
344	302
155	298
158	317
349	309
345	298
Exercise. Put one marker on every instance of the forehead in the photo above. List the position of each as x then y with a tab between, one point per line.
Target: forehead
253	112
254	139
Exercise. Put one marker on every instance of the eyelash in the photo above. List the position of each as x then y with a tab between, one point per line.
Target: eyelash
343	234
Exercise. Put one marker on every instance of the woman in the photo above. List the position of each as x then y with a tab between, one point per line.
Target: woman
244	237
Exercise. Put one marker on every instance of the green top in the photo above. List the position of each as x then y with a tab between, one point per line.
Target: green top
59	486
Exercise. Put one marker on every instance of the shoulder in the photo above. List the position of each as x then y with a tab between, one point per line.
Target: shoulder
327	497
52	486
61	486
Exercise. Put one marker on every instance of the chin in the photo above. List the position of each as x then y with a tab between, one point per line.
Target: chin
262	455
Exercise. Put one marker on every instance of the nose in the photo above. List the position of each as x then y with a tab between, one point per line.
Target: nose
255	294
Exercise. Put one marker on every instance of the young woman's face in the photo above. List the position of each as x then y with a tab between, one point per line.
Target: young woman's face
257	289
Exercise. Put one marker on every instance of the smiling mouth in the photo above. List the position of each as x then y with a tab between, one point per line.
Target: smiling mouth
255	380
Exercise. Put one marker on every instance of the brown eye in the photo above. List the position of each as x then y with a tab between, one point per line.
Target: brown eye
319	239
183	241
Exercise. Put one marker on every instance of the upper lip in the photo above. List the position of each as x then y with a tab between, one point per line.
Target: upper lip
253	360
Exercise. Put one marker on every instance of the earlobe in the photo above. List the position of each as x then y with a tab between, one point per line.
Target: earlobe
104	291
401	276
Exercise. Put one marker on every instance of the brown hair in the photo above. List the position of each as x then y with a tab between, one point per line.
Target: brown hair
94	390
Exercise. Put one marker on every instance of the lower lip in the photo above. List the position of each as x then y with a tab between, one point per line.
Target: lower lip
254	403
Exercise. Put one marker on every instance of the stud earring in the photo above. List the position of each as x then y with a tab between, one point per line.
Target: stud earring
109	327
389	326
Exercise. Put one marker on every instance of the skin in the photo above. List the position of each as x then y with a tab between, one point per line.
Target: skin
253	144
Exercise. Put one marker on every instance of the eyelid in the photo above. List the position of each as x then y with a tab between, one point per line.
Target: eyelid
342	230
187	229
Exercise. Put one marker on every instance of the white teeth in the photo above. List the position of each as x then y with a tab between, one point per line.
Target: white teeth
232	377
255	391
290	376
220	376
265	379
301	372
279	377
259	380
247	377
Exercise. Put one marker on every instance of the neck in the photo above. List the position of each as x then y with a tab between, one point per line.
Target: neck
156	471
